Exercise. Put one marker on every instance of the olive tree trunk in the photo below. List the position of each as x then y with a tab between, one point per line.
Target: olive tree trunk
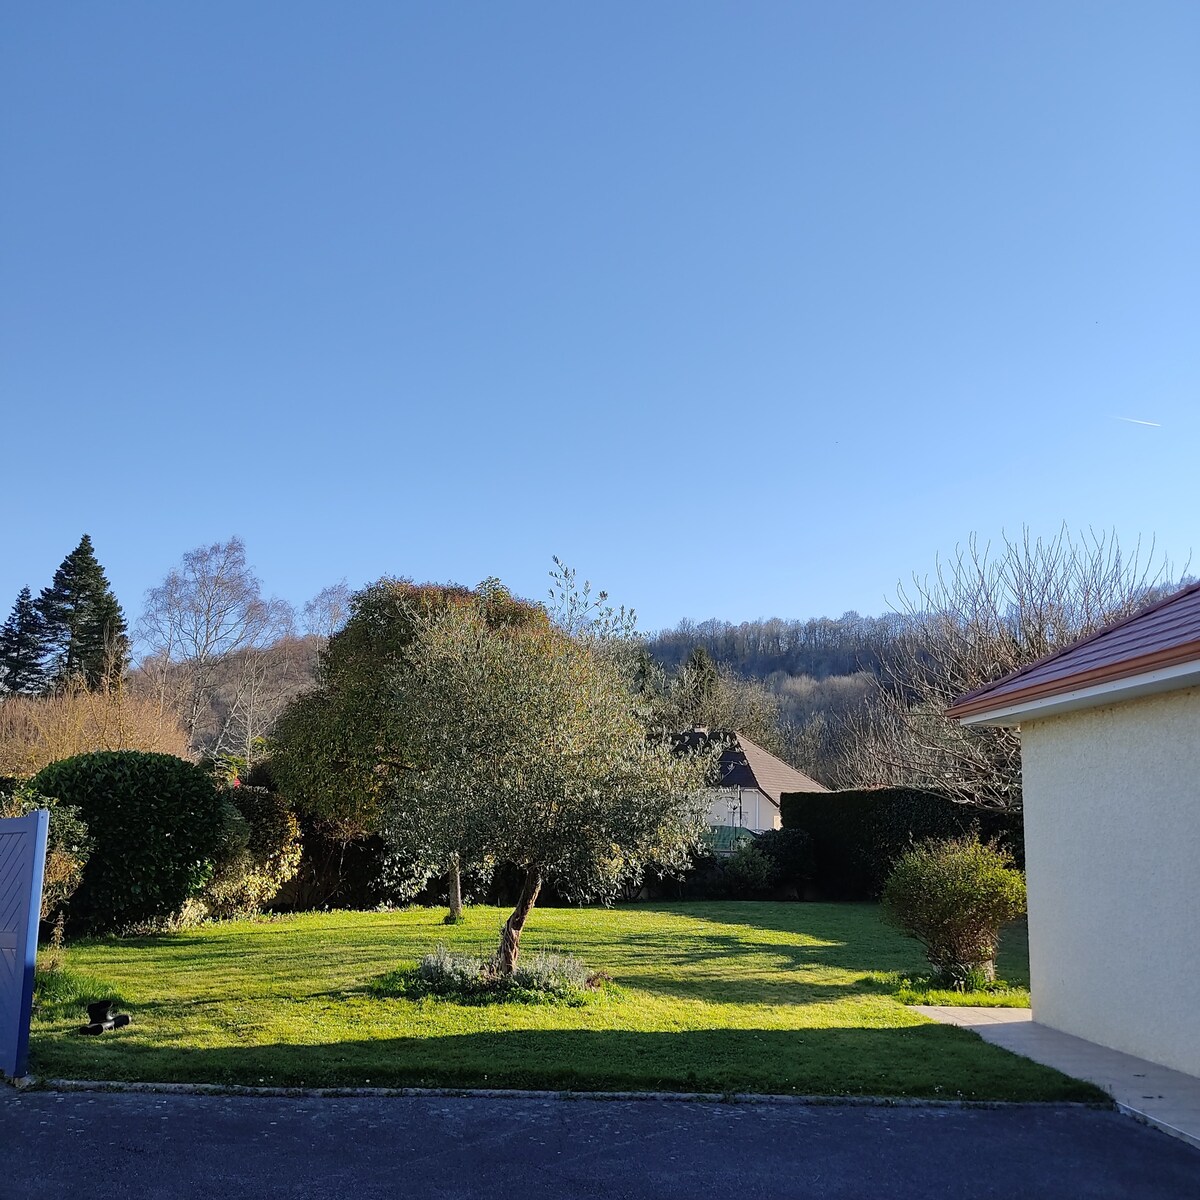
455	874
510	934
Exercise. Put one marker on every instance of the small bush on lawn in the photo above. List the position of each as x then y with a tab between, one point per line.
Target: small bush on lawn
954	897
538	979
155	822
559	975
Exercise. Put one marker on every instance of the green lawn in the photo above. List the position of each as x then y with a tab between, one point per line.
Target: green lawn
785	998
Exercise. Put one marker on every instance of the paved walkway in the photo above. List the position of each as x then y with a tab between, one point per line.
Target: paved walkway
155	1147
1167	1099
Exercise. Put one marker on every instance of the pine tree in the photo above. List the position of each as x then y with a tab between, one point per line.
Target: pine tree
85	629
22	648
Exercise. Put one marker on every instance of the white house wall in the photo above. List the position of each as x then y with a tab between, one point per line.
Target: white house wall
758	813
1112	835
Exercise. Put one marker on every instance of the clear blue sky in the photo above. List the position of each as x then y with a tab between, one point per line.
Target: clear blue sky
744	309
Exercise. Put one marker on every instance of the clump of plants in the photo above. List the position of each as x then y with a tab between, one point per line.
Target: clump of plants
954	897
748	873
67	843
544	977
260	852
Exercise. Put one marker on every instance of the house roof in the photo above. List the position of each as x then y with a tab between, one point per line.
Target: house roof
1154	650
746	764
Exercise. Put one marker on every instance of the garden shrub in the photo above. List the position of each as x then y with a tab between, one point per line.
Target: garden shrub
38	730
551	974
445	973
954	897
469	979
260	852
748	873
156	824
791	852
858	835
67	842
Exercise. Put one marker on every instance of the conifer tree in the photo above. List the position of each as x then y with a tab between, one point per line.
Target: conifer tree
85	629
22	648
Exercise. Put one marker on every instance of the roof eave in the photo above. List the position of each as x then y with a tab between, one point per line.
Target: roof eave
1013	709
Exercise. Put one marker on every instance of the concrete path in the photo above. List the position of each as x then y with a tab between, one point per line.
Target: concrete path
142	1146
1167	1099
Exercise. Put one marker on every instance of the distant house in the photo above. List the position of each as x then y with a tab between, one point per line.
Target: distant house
744	800
1110	759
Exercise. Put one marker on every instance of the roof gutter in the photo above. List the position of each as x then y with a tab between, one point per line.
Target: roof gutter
1014	709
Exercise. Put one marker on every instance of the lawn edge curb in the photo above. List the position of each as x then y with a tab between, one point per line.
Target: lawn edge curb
380	1093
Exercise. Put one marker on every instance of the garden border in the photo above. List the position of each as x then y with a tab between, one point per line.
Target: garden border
33	1083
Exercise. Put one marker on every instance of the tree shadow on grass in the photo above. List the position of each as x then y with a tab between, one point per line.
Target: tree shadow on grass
721	967
786	986
921	1060
825	921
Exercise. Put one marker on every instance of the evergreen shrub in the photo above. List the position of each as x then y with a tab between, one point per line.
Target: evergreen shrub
156	823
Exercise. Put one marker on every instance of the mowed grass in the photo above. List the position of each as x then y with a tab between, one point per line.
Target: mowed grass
729	997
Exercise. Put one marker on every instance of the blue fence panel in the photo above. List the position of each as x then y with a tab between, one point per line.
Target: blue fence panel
22	861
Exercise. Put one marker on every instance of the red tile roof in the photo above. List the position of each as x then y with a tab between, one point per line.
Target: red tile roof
1164	635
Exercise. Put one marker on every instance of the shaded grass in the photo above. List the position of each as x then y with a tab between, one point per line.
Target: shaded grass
785	998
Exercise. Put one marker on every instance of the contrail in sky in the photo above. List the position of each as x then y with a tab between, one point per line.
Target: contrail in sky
1135	421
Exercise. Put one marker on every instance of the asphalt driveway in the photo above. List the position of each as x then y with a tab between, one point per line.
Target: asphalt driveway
143	1145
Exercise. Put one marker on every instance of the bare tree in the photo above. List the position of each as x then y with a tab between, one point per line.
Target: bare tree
987	612
327	611
209	607
252	689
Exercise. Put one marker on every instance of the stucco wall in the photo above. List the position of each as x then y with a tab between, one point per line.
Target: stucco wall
1112	833
753	810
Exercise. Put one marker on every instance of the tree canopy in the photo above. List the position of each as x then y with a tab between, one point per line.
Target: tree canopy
336	747
526	746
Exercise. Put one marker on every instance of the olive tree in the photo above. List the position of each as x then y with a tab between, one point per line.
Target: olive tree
531	751
339	749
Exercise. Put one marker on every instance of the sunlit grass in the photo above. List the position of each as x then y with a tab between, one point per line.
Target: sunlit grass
787	998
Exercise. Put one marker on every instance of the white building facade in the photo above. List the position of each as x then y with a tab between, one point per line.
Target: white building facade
1110	750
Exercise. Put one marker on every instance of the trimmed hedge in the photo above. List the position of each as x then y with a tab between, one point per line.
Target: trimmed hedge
858	835
156	823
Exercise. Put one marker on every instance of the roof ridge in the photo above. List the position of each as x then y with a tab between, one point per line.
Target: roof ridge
774	763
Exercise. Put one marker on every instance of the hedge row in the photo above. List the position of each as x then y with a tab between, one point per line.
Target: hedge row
856	836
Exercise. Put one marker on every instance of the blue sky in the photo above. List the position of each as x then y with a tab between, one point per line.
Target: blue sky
743	309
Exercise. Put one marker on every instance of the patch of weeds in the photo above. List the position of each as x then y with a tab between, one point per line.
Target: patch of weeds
541	978
60	993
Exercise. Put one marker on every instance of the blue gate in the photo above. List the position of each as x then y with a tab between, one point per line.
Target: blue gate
22	860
